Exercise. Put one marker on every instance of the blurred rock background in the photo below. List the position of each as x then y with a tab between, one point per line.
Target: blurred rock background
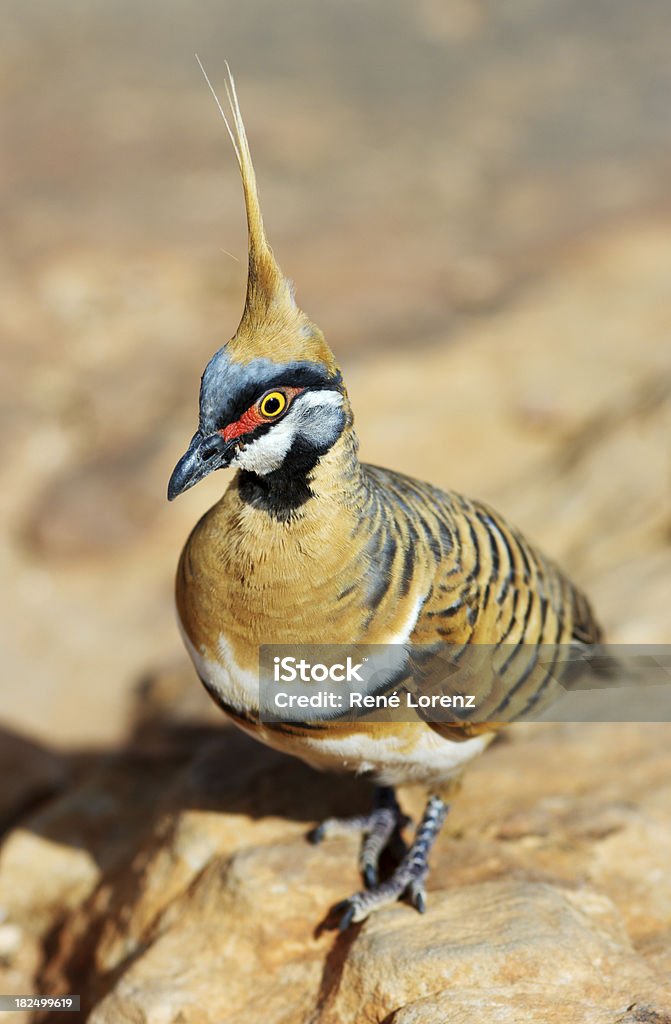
473	201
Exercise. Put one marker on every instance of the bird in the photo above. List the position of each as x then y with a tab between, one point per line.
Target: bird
311	545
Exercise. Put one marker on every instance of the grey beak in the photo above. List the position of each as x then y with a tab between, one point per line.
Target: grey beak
203	455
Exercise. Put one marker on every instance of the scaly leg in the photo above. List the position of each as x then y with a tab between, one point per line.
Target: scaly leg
380	828
408	877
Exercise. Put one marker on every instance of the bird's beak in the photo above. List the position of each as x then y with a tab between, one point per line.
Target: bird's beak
203	455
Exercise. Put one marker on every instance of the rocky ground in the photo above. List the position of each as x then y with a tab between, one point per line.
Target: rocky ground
173	882
486	242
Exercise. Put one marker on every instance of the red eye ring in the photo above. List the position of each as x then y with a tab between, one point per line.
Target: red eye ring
253	418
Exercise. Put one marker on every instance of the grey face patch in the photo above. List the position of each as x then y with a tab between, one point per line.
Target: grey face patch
228	389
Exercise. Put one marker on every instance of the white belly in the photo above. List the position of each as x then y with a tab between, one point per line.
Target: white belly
384	756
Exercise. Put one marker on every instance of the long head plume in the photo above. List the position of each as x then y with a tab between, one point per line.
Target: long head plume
272	325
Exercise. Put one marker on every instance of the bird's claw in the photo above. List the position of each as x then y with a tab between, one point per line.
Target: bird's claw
417	896
370	876
348	917
381	829
407	880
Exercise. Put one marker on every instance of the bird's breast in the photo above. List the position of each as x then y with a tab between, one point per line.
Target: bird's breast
245	580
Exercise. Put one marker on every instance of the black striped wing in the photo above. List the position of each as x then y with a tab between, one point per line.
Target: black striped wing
490	589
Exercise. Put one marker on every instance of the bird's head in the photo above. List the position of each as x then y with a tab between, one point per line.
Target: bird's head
272	398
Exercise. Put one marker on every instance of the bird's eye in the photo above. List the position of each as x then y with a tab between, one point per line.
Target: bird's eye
272	404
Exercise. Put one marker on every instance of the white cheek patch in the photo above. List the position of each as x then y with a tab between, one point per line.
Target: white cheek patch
267	453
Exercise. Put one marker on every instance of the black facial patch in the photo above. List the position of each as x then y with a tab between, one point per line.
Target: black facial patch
284	490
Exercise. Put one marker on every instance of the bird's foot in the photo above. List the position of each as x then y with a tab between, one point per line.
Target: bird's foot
381	829
409	876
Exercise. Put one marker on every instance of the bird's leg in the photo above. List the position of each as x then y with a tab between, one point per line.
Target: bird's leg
409	876
379	828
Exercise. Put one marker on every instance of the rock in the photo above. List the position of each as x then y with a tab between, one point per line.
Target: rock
564	953
249	921
549	892
186	836
41	879
520	1008
21	958
53	859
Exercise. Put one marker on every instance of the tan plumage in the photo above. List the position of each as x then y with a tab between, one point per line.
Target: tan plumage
308	545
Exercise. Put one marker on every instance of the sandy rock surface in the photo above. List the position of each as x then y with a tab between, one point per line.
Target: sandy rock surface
197	897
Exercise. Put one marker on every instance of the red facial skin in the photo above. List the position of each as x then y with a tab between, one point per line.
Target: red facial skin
253	417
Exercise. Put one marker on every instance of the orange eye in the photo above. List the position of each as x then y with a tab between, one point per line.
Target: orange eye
272	404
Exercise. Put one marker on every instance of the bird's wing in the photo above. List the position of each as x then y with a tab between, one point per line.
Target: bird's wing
494	591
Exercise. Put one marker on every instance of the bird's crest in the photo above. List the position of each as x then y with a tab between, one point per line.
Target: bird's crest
272	325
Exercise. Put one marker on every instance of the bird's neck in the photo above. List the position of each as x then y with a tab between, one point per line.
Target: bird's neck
334	480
